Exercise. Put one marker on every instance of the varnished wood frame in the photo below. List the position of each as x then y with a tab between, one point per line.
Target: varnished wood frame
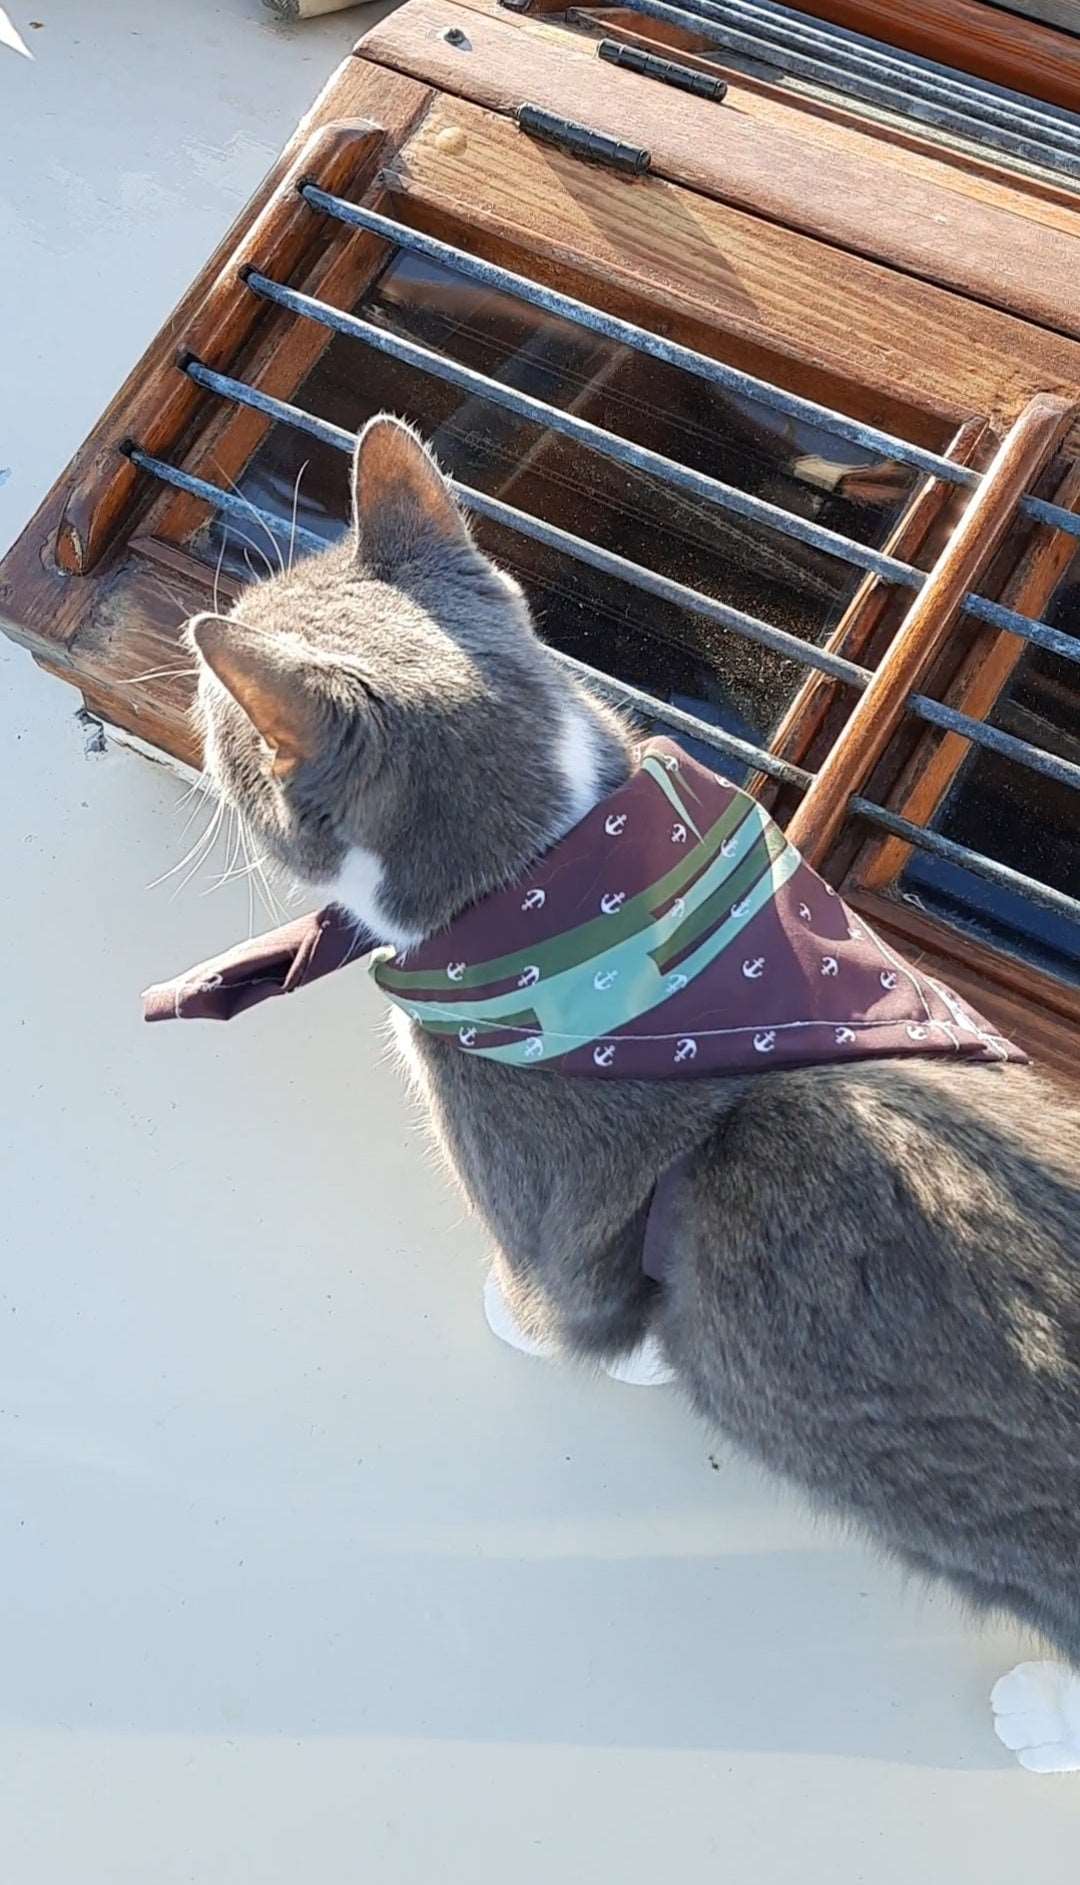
140	585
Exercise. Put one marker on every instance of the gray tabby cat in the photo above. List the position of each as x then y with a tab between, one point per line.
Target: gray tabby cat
876	1281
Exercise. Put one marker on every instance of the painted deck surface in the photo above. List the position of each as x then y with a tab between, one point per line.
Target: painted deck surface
302	1575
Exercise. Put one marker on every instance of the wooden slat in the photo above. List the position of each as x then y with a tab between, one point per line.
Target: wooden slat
878	712
788	174
981	679
853	634
41	604
976	38
285	230
830	326
844	126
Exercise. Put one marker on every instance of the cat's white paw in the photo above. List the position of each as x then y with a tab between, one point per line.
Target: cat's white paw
502	1322
1037	1714
644	1367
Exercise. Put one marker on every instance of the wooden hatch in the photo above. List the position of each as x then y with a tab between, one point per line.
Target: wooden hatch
768	395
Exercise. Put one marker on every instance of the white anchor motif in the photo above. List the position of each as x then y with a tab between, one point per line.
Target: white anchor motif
915	1033
804	912
669	762
529	977
829	965
614	823
686	1050
829	891
605	978
535	900
675	982
854	933
455	971
729	847
603	1056
678	908
467	1036
844	1036
612	901
887	979
678	834
740	909
534	1047
765	1041
753	968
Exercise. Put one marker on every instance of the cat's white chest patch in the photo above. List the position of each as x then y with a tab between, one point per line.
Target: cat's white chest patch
358	888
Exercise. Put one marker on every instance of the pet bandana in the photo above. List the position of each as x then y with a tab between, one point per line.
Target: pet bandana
673	934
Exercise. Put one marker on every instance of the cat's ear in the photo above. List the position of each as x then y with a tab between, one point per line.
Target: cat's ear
274	691
402	505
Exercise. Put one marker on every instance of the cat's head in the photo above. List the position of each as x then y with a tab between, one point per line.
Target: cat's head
383	716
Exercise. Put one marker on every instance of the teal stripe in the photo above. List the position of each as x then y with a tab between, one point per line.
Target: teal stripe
572	1012
575	946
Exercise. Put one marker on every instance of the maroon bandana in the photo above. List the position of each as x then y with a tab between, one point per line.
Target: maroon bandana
672	934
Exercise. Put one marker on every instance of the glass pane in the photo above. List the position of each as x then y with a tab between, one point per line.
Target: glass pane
670	651
1019	817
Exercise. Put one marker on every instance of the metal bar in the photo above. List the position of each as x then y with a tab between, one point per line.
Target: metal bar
627	334
945	81
927	624
696	484
857	53
609	563
653	464
920	61
702	17
621	692
925	840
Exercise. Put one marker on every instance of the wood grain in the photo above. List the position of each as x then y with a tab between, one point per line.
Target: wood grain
986	670
277	240
907	148
41	604
975	38
878	712
787	173
847	332
854	633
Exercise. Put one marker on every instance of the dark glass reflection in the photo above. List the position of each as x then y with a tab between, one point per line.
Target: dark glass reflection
669	651
1018	817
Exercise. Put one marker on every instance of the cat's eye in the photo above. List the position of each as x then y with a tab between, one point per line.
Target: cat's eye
766	395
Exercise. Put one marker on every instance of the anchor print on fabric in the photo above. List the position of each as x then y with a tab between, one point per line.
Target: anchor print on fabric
754	968
611	901
535	900
614	823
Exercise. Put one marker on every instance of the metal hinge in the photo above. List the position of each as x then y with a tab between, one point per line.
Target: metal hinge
651	66
577	139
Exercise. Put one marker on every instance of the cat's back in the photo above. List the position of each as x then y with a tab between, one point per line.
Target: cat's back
878	1284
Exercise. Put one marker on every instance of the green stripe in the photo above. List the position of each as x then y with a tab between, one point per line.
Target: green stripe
571	947
768	848
579	1020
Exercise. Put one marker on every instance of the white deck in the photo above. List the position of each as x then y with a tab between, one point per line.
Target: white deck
302	1577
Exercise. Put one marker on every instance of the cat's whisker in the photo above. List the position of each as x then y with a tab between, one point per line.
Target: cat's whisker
295	502
155	674
201	840
267	532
